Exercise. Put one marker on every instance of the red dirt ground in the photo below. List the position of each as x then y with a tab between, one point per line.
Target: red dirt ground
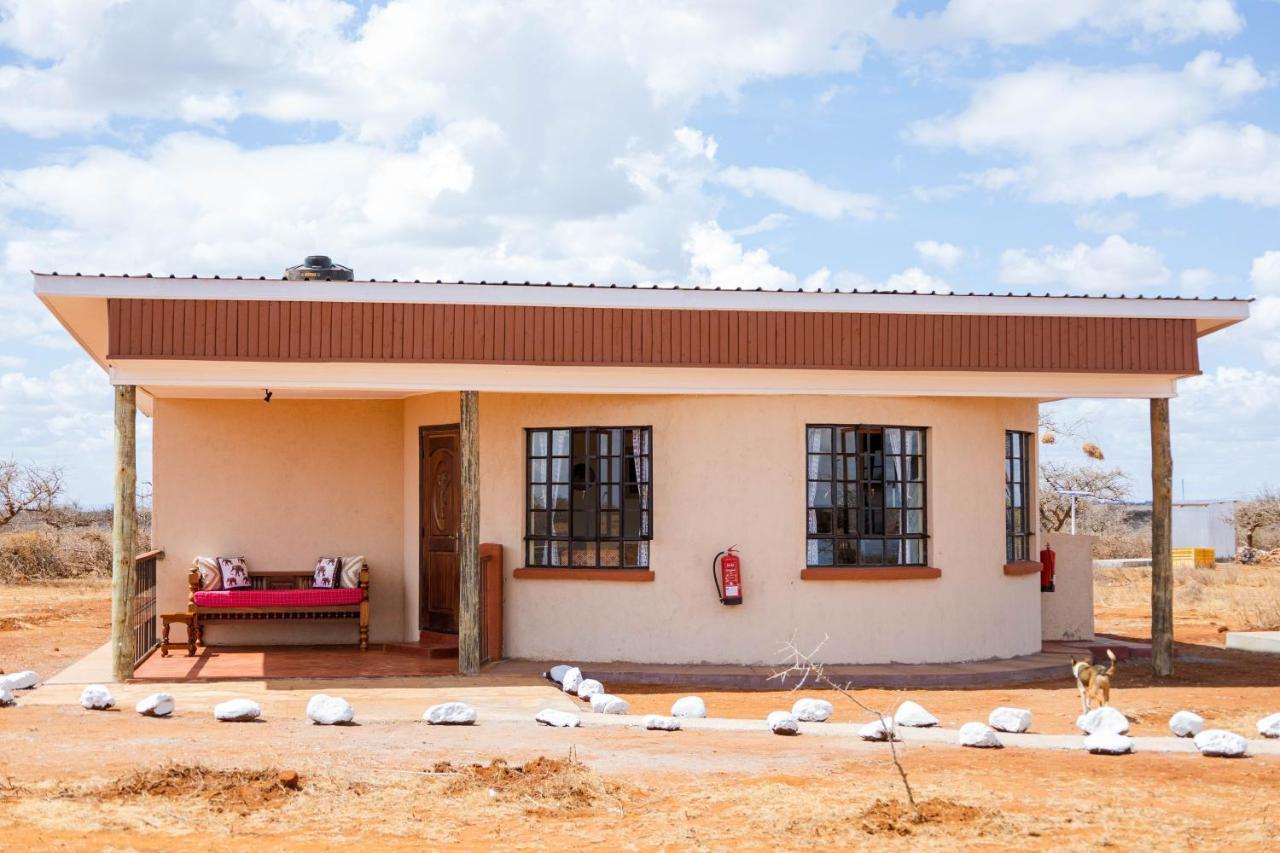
66	775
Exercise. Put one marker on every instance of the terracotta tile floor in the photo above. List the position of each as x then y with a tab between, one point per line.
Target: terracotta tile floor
230	663
221	663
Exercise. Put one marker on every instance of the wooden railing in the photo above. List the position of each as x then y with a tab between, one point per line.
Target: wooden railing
143	619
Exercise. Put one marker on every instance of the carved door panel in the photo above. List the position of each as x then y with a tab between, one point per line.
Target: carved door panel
439	530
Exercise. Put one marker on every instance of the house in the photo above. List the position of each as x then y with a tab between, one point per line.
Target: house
872	456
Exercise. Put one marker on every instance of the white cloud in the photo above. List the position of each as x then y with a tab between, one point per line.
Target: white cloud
768	222
819	279
910	280
942	255
1021	22
1113	265
1198	281
1263	326
800	192
1086	136
1056	107
916	280
1223	426
1213	160
1264	273
1101	222
65	418
717	260
412	60
408	60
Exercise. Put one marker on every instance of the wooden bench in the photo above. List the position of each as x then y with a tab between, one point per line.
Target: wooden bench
278	596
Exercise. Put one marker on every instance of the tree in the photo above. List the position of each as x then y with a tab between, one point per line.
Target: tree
26	487
1104	484
1257	513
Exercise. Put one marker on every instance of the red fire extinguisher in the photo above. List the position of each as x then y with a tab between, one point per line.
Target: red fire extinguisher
726	572
1047	560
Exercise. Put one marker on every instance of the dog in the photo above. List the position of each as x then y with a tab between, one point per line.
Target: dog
1093	681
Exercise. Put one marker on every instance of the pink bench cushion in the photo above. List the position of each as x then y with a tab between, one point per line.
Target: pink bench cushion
279	598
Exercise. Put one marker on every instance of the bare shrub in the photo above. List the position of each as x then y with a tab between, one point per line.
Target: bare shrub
27	488
1104	484
806	668
1253	517
41	554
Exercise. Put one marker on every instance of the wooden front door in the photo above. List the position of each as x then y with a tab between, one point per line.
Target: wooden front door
439	520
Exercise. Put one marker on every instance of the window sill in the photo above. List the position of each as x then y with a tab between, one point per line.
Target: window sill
869	573
1025	567
547	574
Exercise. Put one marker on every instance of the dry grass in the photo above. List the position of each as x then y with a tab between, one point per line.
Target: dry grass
49	554
238	791
541	785
1237	596
892	817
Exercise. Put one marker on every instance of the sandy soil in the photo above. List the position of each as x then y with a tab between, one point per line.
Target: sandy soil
47	626
382	783
385	782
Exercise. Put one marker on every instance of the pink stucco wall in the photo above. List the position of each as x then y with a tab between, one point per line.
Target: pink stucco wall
286	481
281	483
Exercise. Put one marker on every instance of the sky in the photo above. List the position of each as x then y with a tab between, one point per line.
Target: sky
978	145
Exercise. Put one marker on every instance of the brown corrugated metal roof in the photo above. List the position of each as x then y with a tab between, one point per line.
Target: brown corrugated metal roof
672	286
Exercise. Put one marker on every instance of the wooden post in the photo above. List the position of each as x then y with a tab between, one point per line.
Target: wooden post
124	525
469	541
1161	541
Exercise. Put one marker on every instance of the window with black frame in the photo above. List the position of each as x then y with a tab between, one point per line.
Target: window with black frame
589	497
866	496
1017	496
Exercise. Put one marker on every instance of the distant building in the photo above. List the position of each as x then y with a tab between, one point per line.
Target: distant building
1205	524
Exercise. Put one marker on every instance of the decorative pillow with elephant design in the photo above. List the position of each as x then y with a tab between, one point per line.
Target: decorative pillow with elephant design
327	573
235	573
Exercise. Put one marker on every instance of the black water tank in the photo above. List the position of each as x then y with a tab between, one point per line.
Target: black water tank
319	268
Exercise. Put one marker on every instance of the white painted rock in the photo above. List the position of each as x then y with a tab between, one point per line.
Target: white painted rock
812	710
689	706
876	730
156	705
979	736
569	683
589	687
1186	724
1103	720
1004	719
6	696
604	703
783	723
24	680
1108	743
913	715
1221	743
329	710
659	723
96	698
1269	726
450	714
559	719
557	673
237	711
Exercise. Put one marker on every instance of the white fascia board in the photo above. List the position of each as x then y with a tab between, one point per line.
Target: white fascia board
173	378
1210	314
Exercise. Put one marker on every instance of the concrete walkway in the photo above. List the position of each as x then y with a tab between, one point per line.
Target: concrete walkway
934	735
514	699
279	665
